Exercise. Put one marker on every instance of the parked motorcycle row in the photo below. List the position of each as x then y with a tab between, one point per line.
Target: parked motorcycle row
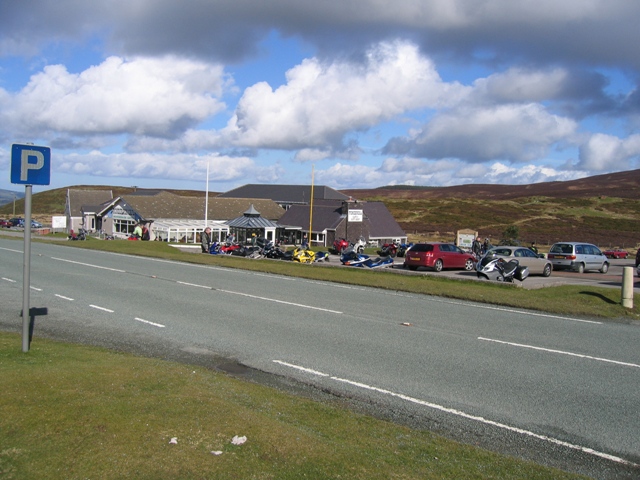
394	249
267	249
488	267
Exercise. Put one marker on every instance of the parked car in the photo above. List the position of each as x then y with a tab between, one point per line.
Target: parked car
5	223
538	265
616	253
577	256
35	224
437	255
17	222
638	258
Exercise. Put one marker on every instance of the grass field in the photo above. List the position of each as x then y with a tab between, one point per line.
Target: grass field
76	412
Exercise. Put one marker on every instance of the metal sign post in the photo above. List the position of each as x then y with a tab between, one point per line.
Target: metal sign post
26	269
30	165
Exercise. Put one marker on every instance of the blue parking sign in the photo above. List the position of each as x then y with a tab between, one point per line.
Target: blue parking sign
30	165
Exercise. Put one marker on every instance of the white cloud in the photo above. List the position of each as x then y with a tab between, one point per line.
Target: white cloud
514	132
142	165
139	96
500	173
606	152
522	85
322	102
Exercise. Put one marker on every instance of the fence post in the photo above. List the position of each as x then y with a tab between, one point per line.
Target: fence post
627	287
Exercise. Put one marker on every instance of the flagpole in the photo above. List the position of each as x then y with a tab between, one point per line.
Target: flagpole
206	198
311	209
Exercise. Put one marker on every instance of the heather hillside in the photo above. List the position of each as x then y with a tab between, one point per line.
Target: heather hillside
604	209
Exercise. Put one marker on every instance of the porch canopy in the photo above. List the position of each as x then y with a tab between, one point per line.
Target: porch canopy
251	222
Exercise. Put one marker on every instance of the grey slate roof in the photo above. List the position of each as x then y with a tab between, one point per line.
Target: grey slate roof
76	199
285	194
327	216
324	217
168	205
384	226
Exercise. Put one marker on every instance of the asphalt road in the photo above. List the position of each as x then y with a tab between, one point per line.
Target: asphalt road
560	391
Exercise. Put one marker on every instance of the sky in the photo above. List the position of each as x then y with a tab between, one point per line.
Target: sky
215	94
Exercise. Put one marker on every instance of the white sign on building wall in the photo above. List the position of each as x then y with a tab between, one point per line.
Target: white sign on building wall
355	216
119	213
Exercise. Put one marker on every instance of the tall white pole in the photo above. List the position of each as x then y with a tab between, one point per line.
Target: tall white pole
311	209
206	198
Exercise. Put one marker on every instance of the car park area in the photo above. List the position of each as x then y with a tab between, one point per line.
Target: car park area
611	279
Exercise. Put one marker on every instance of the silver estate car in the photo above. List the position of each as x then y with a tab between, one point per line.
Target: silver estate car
577	256
538	265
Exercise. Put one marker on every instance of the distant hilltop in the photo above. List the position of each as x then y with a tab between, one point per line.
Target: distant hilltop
619	184
7	196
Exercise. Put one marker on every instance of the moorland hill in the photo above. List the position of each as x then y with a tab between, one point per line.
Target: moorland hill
603	209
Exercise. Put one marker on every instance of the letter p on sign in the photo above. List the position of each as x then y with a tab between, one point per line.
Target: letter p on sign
30	165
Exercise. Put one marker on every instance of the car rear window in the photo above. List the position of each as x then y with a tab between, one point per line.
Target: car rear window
562	248
422	247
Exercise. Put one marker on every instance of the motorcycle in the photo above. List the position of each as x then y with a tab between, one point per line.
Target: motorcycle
388	249
272	251
379	262
81	235
402	249
306	255
352	258
215	249
491	267
229	248
341	244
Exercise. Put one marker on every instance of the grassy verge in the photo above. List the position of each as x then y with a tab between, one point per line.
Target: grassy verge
71	411
566	299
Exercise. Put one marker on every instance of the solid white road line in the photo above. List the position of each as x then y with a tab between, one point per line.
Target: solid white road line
8	280
562	352
297	367
462	414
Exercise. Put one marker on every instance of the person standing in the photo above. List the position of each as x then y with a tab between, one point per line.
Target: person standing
533	248
476	248
205	240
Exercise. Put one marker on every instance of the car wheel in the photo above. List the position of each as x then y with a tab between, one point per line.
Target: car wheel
581	268
605	267
438	265
547	270
468	266
413	267
360	250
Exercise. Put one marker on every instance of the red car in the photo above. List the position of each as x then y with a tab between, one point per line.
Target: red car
5	223
438	256
616	253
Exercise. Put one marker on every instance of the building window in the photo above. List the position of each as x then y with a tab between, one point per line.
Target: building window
124	226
